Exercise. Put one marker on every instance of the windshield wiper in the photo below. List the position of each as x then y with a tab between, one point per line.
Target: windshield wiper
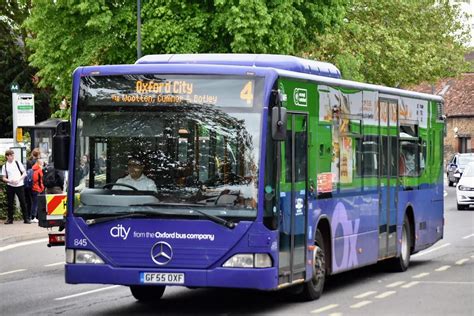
99	220
215	219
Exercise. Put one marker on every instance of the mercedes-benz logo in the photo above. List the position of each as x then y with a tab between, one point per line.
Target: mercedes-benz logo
161	253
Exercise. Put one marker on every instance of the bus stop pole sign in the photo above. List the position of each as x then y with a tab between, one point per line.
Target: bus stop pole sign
23	105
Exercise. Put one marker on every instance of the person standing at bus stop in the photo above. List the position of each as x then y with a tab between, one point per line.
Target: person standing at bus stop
37	188
13	174
34	156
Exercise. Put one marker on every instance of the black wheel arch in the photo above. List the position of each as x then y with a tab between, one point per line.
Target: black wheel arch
324	226
410	214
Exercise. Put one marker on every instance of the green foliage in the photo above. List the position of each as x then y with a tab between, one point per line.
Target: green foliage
68	34
396	43
14	65
62	114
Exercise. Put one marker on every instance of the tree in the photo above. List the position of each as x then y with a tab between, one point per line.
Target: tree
14	65
68	34
396	43
238	26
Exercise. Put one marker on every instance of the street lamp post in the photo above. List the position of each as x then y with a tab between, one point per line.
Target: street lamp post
139	33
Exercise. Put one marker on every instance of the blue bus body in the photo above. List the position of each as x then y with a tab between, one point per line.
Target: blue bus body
359	222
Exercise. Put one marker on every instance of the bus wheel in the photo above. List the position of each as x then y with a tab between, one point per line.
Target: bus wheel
147	293
313	289
401	263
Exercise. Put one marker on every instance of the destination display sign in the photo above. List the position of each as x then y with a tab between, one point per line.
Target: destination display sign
223	91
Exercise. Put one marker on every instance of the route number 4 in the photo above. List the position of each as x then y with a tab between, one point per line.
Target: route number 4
246	93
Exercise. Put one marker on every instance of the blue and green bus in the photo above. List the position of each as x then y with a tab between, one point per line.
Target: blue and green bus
265	172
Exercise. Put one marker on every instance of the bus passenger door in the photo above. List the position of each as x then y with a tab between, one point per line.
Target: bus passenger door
293	200
388	188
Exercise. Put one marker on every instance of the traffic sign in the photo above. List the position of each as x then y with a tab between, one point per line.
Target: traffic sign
14	87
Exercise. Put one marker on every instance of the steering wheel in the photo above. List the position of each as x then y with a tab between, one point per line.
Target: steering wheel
111	184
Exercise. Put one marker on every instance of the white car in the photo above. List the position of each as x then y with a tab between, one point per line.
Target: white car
465	188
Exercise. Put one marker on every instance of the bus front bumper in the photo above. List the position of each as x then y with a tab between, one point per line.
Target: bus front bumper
261	279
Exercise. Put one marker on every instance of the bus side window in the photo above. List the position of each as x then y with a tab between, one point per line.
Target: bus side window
370	156
409	159
422	152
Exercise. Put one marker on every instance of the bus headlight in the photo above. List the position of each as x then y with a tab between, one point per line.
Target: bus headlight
249	260
87	256
263	260
82	256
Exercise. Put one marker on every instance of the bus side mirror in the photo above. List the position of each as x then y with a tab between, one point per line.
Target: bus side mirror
279	119
61	151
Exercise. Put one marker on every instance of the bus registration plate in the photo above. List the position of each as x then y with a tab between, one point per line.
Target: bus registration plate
161	278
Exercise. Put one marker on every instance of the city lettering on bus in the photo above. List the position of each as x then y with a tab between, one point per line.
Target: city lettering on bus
268	173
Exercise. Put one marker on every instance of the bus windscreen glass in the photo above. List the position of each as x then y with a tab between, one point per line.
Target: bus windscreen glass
193	142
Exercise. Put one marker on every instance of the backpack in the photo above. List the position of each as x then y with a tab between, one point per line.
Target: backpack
50	177
29	179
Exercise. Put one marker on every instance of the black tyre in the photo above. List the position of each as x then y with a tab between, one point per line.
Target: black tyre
402	262
147	293
313	289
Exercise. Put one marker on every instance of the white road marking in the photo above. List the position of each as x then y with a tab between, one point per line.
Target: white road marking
421	275
325	308
408	285
360	304
385	294
468	236
365	294
460	262
396	284
335	314
54	264
448	282
23	243
86	293
431	250
443	268
13	271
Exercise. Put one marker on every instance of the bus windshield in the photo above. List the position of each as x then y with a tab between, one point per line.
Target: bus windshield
149	141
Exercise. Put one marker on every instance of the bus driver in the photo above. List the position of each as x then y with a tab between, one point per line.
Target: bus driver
136	178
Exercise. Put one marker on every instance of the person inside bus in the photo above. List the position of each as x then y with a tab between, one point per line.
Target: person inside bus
81	174
136	178
100	163
83	171
407	163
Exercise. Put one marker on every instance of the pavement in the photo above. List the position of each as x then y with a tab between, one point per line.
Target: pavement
18	231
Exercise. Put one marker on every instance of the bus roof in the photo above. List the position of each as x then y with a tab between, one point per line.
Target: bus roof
362	86
283	62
